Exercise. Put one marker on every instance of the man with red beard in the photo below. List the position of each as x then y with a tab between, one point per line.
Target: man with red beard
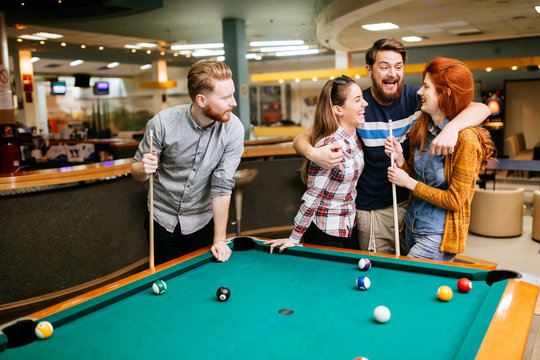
196	149
388	99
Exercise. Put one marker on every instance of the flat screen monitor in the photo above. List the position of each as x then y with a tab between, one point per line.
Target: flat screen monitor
101	88
58	88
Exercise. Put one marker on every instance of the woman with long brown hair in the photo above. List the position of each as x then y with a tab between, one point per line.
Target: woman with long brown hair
438	217
327	214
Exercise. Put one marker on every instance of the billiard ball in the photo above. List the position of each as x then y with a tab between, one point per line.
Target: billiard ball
159	287
364	264
464	285
363	283
44	330
381	314
444	293
223	294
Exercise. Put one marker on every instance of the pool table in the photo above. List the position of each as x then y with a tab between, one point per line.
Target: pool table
327	316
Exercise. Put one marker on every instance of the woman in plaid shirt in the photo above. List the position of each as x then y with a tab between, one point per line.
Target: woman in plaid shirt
327	214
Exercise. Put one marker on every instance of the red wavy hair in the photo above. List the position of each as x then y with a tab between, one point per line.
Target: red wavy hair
455	86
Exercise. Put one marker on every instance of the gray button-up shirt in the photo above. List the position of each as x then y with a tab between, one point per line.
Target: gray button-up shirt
194	166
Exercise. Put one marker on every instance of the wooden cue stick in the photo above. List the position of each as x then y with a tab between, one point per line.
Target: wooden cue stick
394	201
151	216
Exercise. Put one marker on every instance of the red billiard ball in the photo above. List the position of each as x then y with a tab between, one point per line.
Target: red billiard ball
464	285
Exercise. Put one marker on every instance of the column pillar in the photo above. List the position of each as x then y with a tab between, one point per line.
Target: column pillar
159	74
234	40
343	60
28	89
7	115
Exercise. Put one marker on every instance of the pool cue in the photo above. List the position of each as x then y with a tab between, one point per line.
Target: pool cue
394	199
151	216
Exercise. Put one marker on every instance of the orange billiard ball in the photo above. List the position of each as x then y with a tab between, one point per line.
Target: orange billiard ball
444	293
464	285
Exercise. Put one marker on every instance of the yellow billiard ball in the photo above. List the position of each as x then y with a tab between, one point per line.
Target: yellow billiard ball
444	293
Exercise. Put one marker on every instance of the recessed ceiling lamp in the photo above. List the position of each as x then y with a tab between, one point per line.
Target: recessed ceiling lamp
76	63
83	46
204	52
147	51
299	52
488	69
34	59
276	43
31	37
146	45
49	35
101	48
113	65
411	38
196	46
63	44
146	66
380	26
514	67
284	48
42	42
129	46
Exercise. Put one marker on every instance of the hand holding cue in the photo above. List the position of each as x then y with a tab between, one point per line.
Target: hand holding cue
394	199
151	216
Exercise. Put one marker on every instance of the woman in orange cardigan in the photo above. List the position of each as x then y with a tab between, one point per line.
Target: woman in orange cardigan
437	220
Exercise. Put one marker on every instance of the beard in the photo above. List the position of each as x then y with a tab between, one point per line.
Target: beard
384	97
212	114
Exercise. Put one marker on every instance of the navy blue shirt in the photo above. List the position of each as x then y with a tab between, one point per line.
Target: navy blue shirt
374	189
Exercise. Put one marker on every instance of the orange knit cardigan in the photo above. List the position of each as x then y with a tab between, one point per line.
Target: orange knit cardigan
461	171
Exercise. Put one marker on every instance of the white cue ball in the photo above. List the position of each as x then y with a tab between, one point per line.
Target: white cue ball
381	314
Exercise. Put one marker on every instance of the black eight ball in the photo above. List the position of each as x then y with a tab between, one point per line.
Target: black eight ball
223	294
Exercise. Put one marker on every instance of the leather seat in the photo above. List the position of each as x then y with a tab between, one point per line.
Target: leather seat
497	213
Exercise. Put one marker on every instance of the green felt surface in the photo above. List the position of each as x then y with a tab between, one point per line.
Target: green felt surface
331	318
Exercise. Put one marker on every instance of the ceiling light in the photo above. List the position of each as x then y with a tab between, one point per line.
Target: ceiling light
129	46
76	63
185	52
34	59
113	65
221	58
314	78
146	66
32	37
251	56
284	48
276	43
83	46
299	52
49	35
537	8
175	54
147	51
42	42
380	26
514	67
281	81
297	80
146	45
488	69
101	48
196	46
134	51
19	40
162	53
357	76
63	44
411	38
204	52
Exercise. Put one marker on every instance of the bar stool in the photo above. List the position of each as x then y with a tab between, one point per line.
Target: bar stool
242	178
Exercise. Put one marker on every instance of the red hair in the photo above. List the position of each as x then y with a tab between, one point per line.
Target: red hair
454	84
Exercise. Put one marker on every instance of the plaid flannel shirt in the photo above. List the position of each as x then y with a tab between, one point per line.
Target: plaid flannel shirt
329	201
